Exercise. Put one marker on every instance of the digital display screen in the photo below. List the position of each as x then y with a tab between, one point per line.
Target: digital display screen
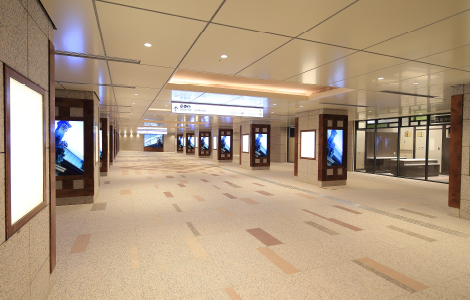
69	148
334	144
225	144
191	142
101	144
180	142
261	145
153	140
205	143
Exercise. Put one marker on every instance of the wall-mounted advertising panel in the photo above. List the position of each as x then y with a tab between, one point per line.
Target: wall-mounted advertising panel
179	142
101	144
219	110
225	144
307	144
153	140
190	142
334	155
205	143
25	147
69	148
246	143
261	145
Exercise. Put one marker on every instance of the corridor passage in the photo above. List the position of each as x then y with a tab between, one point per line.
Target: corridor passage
168	226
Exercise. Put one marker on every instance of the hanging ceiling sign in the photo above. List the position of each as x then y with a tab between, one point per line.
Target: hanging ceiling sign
220	110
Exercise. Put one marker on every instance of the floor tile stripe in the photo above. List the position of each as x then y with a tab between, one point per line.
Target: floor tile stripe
345	224
232	294
264	237
184	181
205	180
278	261
226	212
181	185
347	209
265	193
169	176
149	177
258	184
107	182
168	194
417	213
193	229
81	243
216	187
311	212
196	248
322	228
305	196
199	198
178	209
135	264
414	234
405	282
125	172
125	192
138	173
249	201
98	206
156	186
229	196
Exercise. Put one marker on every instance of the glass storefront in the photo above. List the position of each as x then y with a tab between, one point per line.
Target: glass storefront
411	147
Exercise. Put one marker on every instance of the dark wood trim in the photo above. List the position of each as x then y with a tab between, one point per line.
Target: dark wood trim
456	121
209	135
111	143
153	149
253	132
104	141
52	179
67	193
227	132
12	228
300	138
296	147
322	148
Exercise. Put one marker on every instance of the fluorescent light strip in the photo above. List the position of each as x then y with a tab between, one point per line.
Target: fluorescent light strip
100	57
99	84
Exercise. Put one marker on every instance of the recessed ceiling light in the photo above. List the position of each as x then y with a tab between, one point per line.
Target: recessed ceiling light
380	78
135	94
133	103
274	104
223	56
148	45
415	83
301	106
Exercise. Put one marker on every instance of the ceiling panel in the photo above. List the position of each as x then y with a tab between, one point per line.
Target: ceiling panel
77	30
242	48
294	58
82	70
104	93
201	9
125	94
125	31
139	75
436	38
457	58
284	17
369	22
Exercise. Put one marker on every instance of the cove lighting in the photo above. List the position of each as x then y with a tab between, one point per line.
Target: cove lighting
148	45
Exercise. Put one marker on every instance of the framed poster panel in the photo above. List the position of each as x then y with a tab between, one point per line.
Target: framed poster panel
190	143
111	143
104	144
308	144
246	143
260	145
332	152
179	143
225	141
153	142
204	143
25	150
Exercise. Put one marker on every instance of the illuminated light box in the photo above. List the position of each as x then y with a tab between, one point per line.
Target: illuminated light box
246	143
205	143
191	142
220	99
69	148
225	144
153	140
215	143
219	110
334	147
261	145
180	141
101	144
25	146
149	130
307	144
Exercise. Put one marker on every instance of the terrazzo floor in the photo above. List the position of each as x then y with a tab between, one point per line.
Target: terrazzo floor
169	226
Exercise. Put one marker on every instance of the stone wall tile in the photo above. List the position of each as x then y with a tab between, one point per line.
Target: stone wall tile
41	283
38	55
14	35
465	209
2	198
38	241
465	188
39	16
465	161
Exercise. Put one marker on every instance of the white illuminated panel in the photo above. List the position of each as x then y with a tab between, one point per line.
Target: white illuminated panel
219	110
97	144
223	99
215	143
143	130
26	150
196	141
307	144
246	143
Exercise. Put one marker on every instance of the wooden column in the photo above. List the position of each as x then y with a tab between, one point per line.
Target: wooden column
456	115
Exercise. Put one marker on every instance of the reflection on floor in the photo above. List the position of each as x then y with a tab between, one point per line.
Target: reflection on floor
439	178
167	226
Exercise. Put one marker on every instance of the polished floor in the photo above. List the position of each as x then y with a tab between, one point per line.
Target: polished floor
168	226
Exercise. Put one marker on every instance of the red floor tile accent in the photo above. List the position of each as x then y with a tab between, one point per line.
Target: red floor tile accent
125	172
259	184
168	194
125	192
264	237
347	209
345	224
169	176
229	195
181	185
156	186
205	180
264	193
138	173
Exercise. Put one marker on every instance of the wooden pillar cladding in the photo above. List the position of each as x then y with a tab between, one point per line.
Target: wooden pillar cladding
296	146
104	145
456	114
52	184
111	143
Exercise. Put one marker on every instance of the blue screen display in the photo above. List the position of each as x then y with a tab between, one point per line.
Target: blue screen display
261	145
153	140
334	156
225	144
180	142
204	143
191	142
69	147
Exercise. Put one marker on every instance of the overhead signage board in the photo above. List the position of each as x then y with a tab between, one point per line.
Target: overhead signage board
219	110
